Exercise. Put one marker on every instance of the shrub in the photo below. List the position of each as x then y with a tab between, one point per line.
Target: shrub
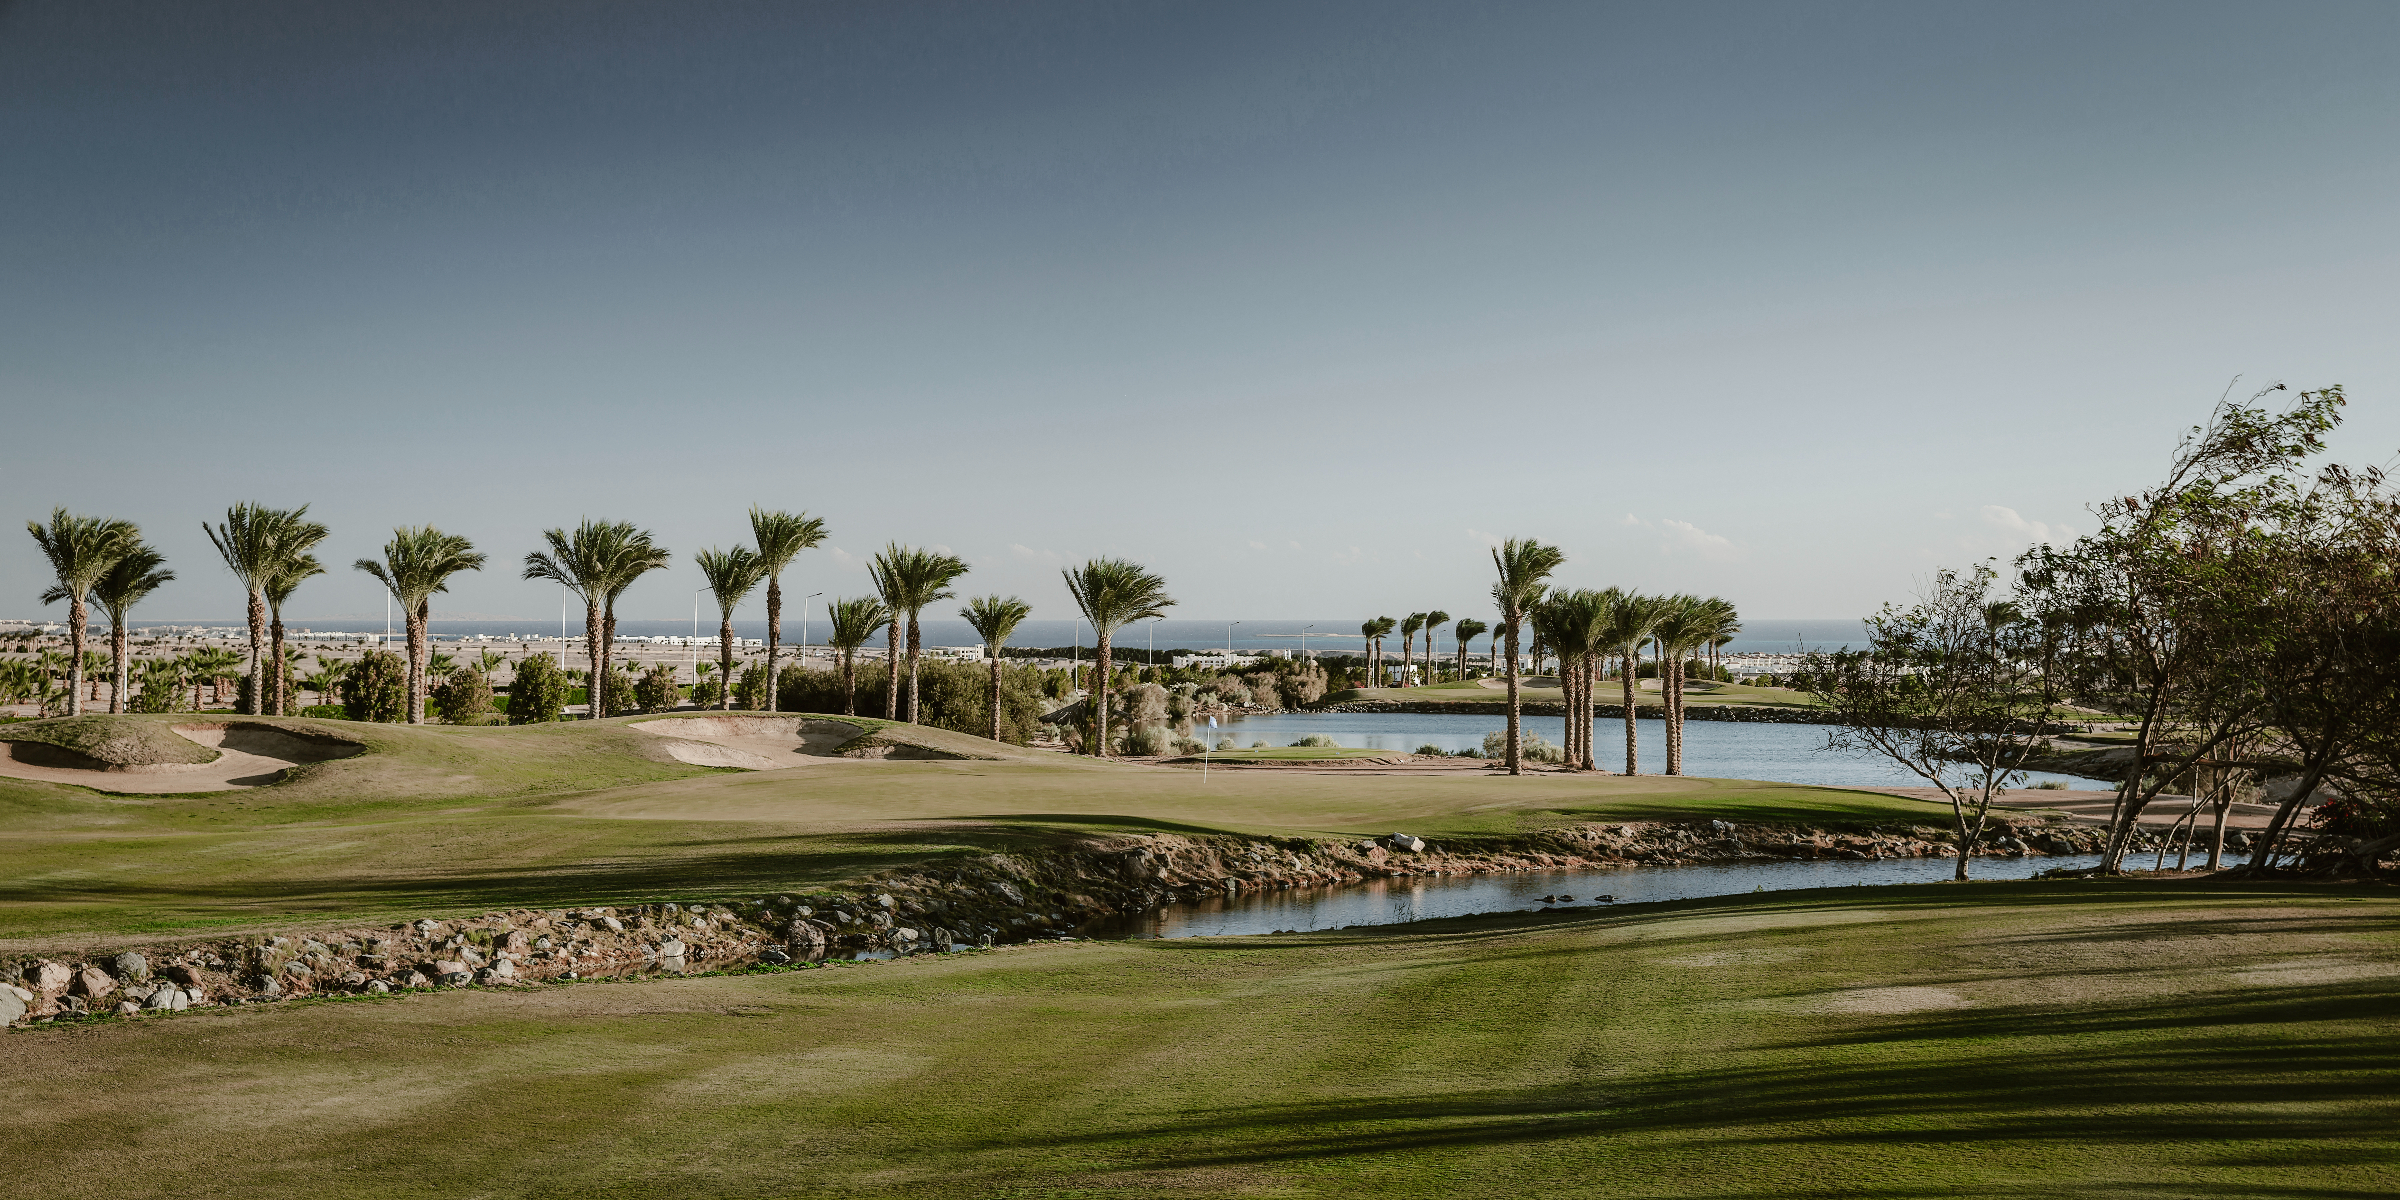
620	697
375	688
1146	740
1316	739
1533	748
1187	745
161	688
539	692
1258	745
465	698
1224	743
953	696
1431	749
708	692
750	689
656	692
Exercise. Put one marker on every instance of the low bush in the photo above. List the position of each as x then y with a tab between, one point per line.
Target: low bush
375	688
465	698
1431	749
1316	739
539	692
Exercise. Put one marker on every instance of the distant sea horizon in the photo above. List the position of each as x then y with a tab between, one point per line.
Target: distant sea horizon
1765	635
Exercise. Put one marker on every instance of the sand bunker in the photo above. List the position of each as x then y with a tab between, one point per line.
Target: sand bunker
247	756
751	743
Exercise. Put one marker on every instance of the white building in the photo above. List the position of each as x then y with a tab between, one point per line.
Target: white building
1214	662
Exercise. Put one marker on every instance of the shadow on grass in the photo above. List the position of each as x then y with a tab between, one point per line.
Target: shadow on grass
2316	1068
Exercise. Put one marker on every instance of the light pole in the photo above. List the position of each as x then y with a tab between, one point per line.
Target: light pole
1304	646
1229	643
804	623
694	644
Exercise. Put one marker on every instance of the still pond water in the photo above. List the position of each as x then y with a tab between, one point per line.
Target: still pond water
1711	749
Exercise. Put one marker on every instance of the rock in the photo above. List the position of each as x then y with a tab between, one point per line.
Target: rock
488	977
416	979
518	942
428	928
458	978
186	974
614	925
505	969
775	955
127	1008
47	977
985	941
446	968
470	956
377	987
12	1007
23	996
92	982
671	948
179	1000
1407	843
131	965
904	934
269	988
164	997
884	900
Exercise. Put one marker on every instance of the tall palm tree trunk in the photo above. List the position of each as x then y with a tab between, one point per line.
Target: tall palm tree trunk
849	681
1516	761
608	652
116	651
725	662
995	697
1626	672
78	622
591	654
1100	694
1408	648
912	668
416	662
258	638
774	633
275	655
1673	677
891	671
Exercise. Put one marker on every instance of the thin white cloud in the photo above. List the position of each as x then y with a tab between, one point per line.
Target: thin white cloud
1631	521
1686	538
1046	557
1258	545
1488	539
2009	522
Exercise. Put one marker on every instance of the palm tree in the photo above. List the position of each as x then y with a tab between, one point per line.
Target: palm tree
1523	564
596	563
1467	630
1627	627
1683	625
283	579
1433	620
1570	623
854	621
1408	643
638	556
255	543
416	564
910	579
128	582
81	550
733	574
994	620
780	536
1112	592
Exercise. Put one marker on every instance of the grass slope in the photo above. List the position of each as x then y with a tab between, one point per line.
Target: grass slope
441	820
116	741
1989	1040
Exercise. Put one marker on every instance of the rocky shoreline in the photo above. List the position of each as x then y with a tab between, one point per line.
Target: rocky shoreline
970	901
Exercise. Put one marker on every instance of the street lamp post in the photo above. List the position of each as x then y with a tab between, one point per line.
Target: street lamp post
804	623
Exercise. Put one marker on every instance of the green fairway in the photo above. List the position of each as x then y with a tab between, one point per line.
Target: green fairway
1995	1040
1295	754
442	819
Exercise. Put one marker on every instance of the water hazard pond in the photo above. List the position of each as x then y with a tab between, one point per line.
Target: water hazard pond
1711	749
1391	901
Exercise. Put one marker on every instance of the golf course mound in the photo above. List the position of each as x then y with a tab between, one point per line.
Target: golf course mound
773	742
126	754
751	742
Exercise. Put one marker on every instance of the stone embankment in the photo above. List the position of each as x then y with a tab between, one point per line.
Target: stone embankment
972	901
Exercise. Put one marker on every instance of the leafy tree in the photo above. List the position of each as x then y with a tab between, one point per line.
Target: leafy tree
750	689
81	550
1522	565
257	544
128	582
853	622
994	620
465	698
1954	689
2123	602
538	693
1113	592
780	537
375	688
909	579
731	575
416	564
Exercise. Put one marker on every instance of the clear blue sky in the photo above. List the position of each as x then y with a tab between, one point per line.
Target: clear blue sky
1297	304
